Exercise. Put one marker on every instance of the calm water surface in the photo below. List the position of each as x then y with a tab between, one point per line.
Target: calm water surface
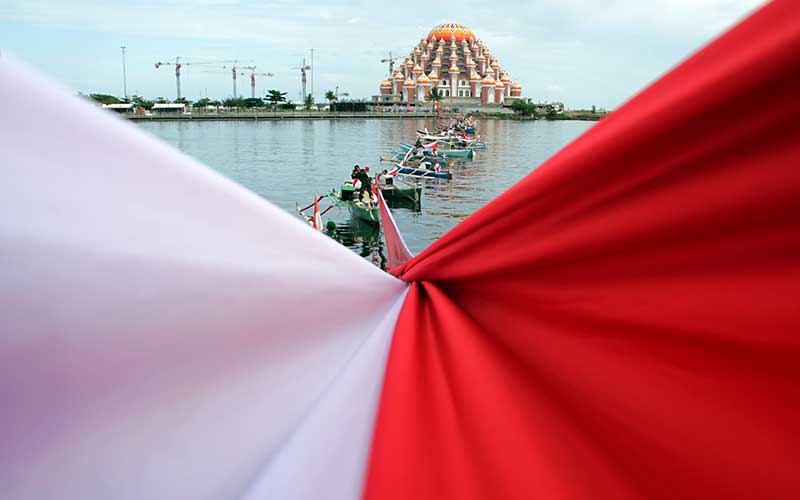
288	161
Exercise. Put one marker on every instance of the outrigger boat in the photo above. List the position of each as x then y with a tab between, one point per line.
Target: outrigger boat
446	154
358	208
423	172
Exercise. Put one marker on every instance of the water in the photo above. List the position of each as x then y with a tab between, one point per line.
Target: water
286	162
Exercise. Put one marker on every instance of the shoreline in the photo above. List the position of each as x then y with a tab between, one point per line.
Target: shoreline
329	115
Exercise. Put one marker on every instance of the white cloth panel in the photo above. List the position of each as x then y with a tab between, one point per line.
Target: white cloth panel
164	332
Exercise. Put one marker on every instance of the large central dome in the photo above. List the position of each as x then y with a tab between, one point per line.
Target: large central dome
446	31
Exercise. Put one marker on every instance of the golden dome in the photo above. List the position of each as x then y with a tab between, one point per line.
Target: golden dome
505	78
499	85
488	80
423	78
417	68
398	76
386	84
475	77
409	83
447	31
516	86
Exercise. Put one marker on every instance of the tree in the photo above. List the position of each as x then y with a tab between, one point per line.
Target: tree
141	102
275	97
434	95
204	102
308	102
331	96
253	102
233	102
105	98
524	108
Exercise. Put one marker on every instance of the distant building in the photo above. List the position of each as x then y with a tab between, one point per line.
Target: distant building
169	107
453	61
120	108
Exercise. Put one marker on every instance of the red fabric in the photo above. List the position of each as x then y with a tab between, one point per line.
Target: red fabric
397	253
625	321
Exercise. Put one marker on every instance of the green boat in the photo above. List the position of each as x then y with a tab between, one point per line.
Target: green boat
358	209
397	194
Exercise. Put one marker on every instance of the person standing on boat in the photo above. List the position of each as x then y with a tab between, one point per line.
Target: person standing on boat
366	183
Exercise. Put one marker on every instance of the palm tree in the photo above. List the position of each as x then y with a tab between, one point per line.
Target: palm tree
330	96
274	97
434	95
308	102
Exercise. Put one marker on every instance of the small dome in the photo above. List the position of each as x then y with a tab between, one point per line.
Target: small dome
453	68
386	84
470	63
505	78
516	86
437	62
409	83
434	78
499	85
475	77
417	68
450	31
495	63
398	76
417	51
481	57
423	78
488	80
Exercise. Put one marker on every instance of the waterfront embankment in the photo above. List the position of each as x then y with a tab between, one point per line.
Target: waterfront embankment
329	115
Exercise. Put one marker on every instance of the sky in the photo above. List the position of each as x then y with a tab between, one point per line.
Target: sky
580	52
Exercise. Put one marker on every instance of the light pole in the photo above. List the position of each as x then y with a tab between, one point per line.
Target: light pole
124	76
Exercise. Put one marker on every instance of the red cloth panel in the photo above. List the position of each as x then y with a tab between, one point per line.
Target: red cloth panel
625	321
397	253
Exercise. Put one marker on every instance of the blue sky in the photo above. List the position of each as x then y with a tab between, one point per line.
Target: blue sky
581	52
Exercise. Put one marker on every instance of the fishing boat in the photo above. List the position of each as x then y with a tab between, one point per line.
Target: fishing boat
358	209
404	195
468	154
423	172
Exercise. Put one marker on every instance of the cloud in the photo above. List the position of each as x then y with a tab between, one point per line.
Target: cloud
353	20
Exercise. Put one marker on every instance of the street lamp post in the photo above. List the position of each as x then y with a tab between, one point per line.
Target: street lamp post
124	76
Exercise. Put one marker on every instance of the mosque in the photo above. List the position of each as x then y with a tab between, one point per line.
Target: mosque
452	60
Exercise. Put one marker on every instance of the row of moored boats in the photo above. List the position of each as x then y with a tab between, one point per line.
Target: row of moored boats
434	155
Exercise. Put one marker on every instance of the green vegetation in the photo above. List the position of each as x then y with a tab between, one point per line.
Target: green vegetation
434	95
331	96
141	102
308	102
275	97
106	99
524	108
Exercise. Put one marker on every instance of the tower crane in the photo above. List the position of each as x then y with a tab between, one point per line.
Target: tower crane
253	75
391	61
303	69
178	65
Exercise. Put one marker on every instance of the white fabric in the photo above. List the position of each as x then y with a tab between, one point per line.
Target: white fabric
165	333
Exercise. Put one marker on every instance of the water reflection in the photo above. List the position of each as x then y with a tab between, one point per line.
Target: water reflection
365	239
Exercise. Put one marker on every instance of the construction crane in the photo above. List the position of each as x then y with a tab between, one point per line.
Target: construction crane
253	75
391	61
234	71
303	69
178	65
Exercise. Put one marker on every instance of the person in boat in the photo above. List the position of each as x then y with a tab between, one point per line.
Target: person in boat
366	183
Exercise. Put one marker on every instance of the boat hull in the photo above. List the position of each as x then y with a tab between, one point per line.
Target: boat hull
444	153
